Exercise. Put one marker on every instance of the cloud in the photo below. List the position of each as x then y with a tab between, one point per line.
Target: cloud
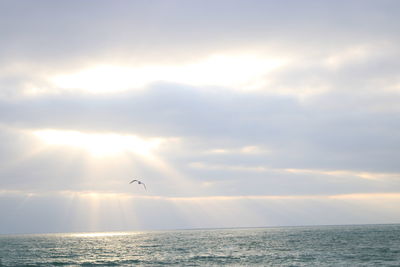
329	136
260	99
170	31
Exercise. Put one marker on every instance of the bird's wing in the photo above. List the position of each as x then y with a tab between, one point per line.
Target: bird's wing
133	181
144	186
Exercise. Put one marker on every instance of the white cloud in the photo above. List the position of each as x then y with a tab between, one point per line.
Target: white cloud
202	165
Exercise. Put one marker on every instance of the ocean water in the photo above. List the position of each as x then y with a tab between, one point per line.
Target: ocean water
363	245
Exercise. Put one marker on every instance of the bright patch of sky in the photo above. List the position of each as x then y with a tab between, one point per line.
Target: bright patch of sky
239	72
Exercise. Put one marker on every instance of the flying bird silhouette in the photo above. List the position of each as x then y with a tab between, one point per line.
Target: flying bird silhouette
139	182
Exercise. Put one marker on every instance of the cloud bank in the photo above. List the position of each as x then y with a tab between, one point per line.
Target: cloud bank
281	110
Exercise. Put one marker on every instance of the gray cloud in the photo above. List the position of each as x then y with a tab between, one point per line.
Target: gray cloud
51	33
297	135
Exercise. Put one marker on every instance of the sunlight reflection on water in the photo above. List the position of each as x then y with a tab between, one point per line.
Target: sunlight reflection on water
102	234
369	245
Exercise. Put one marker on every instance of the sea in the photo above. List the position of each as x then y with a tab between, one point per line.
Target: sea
351	245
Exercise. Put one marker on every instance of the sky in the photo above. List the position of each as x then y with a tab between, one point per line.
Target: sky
233	113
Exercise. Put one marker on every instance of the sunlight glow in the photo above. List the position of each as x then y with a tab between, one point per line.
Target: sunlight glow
251	149
237	71
101	195
100	144
355	53
100	234
260	168
346	173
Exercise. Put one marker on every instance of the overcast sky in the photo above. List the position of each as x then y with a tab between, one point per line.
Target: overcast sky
234	114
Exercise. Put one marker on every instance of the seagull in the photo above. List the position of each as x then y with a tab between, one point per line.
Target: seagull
139	182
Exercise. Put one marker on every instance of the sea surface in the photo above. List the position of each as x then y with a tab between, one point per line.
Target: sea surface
356	245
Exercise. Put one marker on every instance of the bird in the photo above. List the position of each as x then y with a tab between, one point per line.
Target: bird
139	182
